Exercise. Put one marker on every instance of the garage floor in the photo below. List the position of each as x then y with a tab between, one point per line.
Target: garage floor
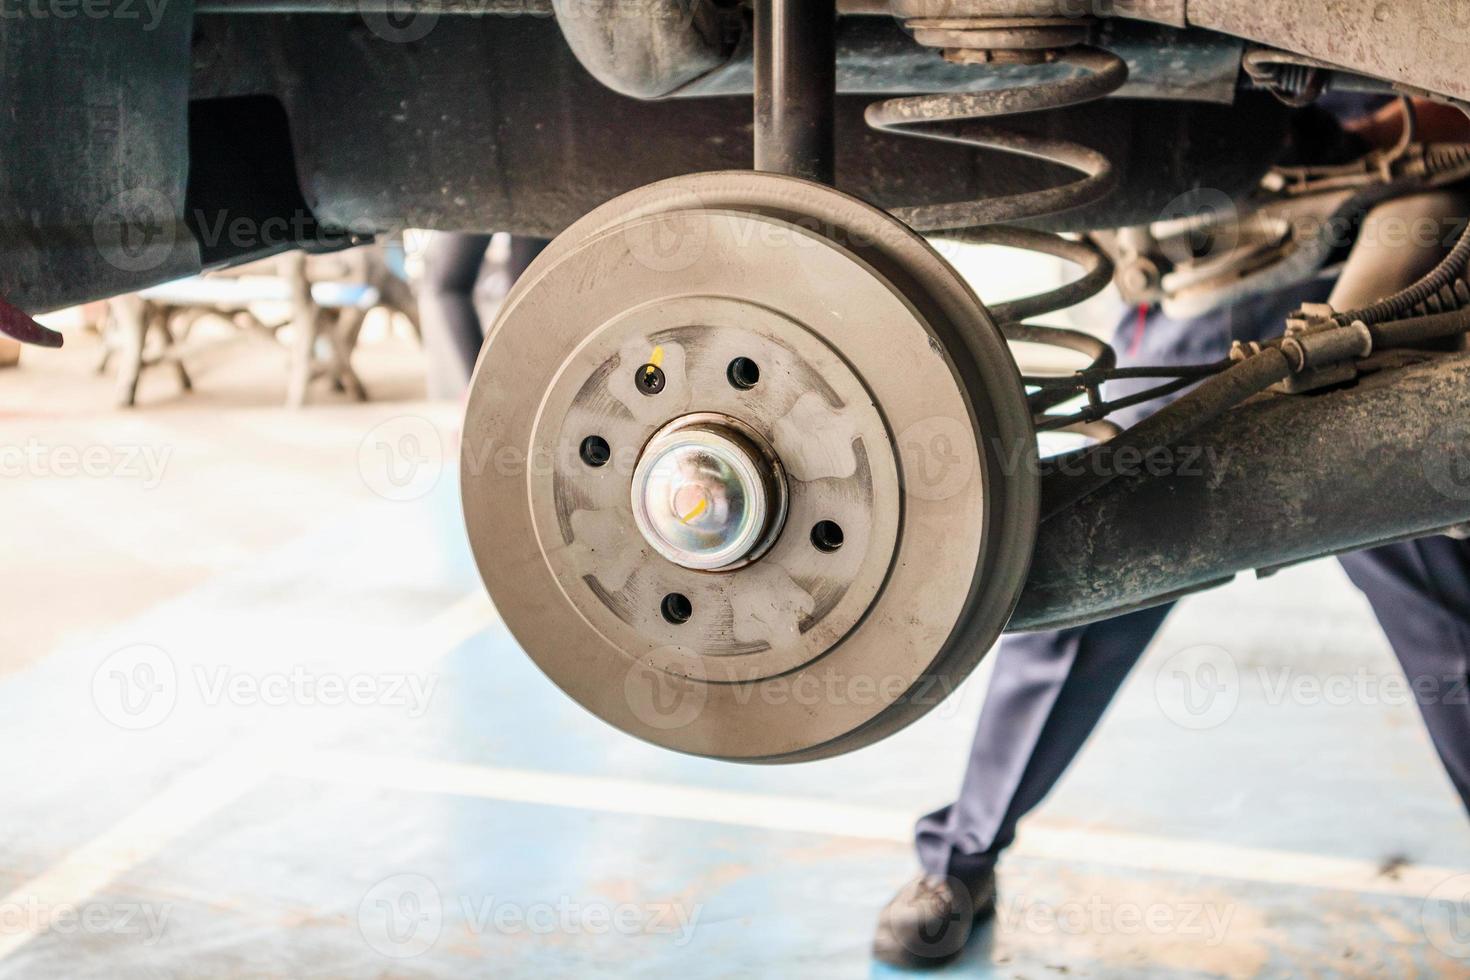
261	721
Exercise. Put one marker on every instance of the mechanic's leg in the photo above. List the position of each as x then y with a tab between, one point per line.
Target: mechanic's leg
1047	694
451	327
1420	591
1049	689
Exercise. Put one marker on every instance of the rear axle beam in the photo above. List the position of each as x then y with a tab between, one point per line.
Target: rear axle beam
1280	480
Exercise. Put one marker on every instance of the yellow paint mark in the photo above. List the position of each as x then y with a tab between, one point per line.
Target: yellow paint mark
655	360
699	508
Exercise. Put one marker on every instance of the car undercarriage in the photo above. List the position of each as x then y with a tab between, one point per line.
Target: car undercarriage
743	424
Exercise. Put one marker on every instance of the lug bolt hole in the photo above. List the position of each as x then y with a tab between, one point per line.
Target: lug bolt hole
595	451
677	608
650	379
827	536
743	373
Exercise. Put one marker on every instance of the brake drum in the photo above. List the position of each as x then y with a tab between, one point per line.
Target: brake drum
747	469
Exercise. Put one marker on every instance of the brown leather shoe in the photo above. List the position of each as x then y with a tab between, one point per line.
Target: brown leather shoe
930	919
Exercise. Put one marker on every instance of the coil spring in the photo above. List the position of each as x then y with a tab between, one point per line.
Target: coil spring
960	118
1440	158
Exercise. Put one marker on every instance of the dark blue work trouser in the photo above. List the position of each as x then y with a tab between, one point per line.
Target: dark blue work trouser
1049	690
453	334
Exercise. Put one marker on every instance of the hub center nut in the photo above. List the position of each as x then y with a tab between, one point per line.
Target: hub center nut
708	494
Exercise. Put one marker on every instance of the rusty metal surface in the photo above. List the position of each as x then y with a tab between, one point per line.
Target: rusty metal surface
1169	12
1280	480
876	56
1422	43
495	125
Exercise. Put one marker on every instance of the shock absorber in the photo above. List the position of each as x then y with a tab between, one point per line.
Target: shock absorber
795	88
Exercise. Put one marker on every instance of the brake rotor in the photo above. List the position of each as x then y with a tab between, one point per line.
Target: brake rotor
747	469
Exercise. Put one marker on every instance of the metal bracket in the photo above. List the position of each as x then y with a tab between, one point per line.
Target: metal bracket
1320	352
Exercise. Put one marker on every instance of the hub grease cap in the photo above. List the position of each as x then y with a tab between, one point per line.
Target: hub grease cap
705	496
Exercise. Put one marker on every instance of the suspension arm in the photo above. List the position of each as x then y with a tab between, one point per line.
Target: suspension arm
1280	480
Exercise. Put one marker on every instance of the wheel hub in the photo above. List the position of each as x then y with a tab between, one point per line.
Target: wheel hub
706	496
